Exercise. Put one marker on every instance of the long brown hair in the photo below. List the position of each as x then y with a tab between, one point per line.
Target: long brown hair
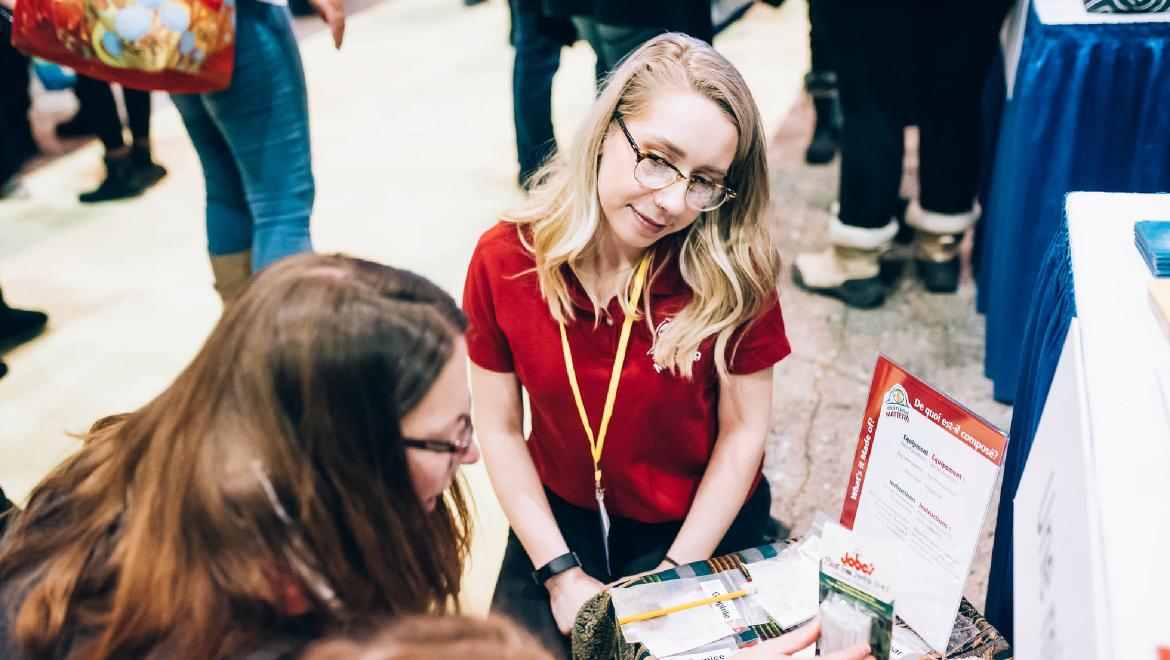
276	451
429	637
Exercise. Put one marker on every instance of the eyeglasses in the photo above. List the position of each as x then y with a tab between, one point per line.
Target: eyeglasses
656	173
458	446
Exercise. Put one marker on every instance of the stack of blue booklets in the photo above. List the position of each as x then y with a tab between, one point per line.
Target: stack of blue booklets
1152	238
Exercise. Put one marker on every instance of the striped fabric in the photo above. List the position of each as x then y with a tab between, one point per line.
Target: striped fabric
597	636
1127	6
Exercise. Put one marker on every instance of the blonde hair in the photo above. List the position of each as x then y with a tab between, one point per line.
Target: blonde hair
727	256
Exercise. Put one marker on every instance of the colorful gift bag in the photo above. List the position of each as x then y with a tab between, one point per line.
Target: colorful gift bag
182	46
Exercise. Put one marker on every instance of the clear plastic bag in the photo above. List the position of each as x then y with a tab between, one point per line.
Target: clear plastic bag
843	624
691	628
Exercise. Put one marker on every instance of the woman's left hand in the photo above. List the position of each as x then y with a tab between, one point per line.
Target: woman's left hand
662	566
330	11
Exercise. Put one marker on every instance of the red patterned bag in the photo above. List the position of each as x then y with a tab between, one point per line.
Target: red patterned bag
180	46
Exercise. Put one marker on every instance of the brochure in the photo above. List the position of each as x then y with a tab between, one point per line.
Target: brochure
921	480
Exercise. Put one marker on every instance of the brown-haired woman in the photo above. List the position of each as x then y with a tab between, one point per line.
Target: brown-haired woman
297	475
428	637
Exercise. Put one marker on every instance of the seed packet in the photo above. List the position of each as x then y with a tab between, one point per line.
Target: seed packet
856	592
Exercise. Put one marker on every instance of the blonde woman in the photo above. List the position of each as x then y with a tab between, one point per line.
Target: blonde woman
633	297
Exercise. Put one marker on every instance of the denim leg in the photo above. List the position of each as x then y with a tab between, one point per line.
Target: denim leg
229	223
264	119
538	56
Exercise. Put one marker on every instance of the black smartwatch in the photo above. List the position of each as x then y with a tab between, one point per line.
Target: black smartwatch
557	566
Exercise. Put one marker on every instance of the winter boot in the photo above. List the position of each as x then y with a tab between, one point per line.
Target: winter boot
822	87
850	269
19	325
936	245
122	180
147	171
231	272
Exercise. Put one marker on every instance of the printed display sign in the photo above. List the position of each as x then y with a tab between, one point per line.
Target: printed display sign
921	480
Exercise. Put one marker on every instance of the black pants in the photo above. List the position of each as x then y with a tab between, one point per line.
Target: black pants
97	104
16	140
614	29
819	49
635	547
926	59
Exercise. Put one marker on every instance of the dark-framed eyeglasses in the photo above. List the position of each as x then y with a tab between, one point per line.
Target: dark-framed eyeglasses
457	446
656	173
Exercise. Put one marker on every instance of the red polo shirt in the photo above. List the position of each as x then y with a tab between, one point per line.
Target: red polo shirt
663	428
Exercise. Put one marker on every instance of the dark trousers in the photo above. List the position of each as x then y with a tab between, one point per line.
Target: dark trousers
821	53
926	59
16	139
610	43
635	547
537	40
615	29
98	106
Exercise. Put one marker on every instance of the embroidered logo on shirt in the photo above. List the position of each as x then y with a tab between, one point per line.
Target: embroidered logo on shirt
657	333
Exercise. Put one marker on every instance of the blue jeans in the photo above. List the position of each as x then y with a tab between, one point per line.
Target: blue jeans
253	141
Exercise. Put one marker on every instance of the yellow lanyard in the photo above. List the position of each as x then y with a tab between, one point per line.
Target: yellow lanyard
597	445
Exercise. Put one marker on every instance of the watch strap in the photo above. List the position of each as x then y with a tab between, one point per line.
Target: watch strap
557	566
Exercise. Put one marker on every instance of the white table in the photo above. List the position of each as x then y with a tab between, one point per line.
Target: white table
1092	513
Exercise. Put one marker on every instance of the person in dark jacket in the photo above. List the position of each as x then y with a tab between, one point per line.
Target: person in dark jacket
297	476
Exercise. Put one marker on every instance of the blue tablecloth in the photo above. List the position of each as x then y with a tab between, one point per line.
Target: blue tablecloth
1090	111
1052	308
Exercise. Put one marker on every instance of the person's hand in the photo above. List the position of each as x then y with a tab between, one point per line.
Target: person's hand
662	566
567	592
10	5
330	11
784	646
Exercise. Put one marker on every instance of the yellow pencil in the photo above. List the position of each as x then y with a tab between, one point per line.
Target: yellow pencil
684	606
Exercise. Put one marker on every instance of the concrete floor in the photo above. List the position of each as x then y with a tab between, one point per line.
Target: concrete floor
128	287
